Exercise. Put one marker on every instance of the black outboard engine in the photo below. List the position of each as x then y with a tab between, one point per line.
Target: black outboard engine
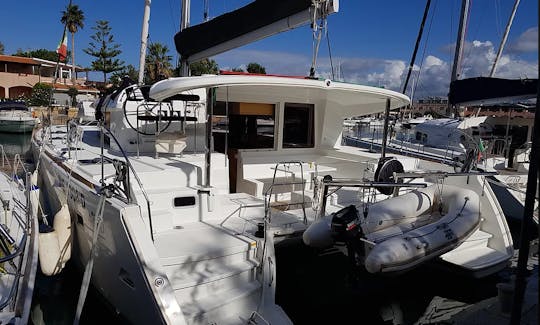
346	230
345	224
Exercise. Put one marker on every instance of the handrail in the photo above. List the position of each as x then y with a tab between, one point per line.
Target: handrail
5	158
130	166
17	252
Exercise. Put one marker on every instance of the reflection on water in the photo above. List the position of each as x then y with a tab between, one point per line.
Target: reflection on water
15	143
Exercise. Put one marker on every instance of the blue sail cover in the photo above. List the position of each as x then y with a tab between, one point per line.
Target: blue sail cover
231	25
484	90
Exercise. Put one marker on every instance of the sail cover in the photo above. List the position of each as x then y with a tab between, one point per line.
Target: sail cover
484	90
193	41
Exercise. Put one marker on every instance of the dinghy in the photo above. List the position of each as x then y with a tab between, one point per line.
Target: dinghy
401	232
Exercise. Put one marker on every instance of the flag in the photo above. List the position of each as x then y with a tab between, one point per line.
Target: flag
62	48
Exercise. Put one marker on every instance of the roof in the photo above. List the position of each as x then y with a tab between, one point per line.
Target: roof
60	86
361	99
18	59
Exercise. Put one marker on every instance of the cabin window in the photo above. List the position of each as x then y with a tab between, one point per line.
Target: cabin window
249	125
183	201
422	137
298	127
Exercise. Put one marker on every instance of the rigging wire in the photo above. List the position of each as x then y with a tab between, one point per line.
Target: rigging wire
330	53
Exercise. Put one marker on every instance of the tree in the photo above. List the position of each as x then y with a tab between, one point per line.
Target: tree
41	94
1	48
255	68
118	76
204	66
239	69
73	19
73	92
40	54
158	63
104	49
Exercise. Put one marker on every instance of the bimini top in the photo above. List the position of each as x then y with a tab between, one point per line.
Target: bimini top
12	106
363	99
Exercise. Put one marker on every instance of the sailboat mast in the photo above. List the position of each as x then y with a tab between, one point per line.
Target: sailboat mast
186	4
460	39
144	40
503	41
464	17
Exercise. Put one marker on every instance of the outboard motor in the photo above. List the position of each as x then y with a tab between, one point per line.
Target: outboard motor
345	224
346	230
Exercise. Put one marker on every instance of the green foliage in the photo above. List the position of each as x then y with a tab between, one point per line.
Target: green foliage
158	63
40	54
204	66
129	71
1	48
104	49
73	18
40	94
253	67
239	69
72	92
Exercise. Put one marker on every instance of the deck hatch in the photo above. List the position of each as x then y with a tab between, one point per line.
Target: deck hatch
182	201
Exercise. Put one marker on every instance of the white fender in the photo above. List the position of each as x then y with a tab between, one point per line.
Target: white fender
413	247
49	253
34	200
34	178
62	226
319	234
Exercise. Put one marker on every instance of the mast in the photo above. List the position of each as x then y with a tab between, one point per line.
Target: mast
186	4
503	41
464	17
411	65
144	40
460	39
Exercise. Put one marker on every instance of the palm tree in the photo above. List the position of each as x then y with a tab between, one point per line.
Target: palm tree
158	62
73	19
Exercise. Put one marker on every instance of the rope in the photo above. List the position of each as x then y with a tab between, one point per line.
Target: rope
89	266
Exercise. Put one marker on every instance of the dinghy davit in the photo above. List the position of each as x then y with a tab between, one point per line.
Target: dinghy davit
401	232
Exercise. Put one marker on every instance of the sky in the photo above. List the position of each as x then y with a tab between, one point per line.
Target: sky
369	42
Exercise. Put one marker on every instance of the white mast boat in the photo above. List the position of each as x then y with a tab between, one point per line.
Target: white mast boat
179	219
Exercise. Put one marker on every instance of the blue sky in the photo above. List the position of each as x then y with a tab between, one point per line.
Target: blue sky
371	41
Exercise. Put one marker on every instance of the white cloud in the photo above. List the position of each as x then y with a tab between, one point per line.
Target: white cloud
526	42
435	72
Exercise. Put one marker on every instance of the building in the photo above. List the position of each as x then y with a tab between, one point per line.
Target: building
19	74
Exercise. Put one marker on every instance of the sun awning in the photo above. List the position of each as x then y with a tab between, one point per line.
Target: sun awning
257	20
488	91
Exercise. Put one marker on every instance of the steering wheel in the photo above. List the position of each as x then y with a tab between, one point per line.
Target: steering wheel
147	110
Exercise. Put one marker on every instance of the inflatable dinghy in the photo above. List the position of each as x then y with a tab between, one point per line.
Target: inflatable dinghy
401	232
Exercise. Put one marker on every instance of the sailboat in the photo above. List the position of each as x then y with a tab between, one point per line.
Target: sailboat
178	195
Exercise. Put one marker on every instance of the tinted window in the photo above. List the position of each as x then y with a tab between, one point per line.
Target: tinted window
298	126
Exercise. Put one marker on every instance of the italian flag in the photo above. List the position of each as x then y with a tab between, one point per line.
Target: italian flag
62	48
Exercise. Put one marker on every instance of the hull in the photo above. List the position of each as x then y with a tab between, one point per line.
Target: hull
196	273
22	256
16	125
117	273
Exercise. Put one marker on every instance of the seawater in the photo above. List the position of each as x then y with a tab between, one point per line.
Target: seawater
314	287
